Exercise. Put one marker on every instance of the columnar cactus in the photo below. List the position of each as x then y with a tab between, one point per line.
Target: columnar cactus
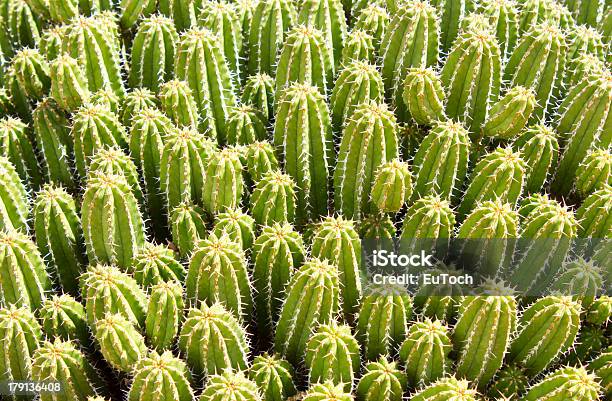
107	98
120	343
113	161
602	367
584	40
482	333
273	199
68	83
547	328
411	40
182	166
164	314
303	137
539	149
237	225
423	96
510	114
588	12
63	11
15	144
258	92
451	14
50	44
441	161
184	13
377	227
22	269
246	125
134	102
316	281
573	383
383	319
22	27
260	160
59	235
503	16
332	354
130	11
446	389
374	20
437	301
218	273
358	46
14	204
273	376
594	172
582	279
381	380
223	182
187	227
165	375
178	103
429	218
213	341
108	202
153	53
230	386
509	382
392	186
592	214
62	361
316	68
472	77
327	391
534	12
200	54
271	21
358	82
600	311
591	341
20	336
498	175
64	317
154	264
32	73
538	62
329	17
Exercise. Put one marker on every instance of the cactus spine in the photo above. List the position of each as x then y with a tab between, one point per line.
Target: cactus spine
246	125
120	343
20	335
164	314
165	375
259	160
594	172
539	149
223	182
392	186
593	214
273	376
429	218
452	13
446	389
358	46
16	145
31	71
112	161
154	264
573	383
423	96
510	114
374	20
68	83
187	227
239	226
178	103
134	102
258	92
503	17
273	200
64	317
14	207
328	16
230	386
381	380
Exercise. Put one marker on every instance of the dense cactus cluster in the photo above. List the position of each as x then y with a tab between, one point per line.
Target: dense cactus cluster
188	191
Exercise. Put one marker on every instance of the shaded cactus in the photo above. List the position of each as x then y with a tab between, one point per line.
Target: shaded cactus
113	161
213	341
509	382
573	383
327	392
602	367
383	320
223	182
245	125
392	186
163	374
50	45
187	227
21	25
329	17
273	376
510	114
451	14
316	281
359	45
503	16
120	343
590	342
131	11
585	65
437	301
64	317
22	270
14	206
32	73
381	380
273	199
178	103
184	13
135	102
446	389
376	226
429	219
154	264
591	213
594	172
20	335
423	96
581	279
539	149
374	20
600	311
153	53
260	160
230	386
68	83
304	141
16	145
588	12
239	226
584	40
258	92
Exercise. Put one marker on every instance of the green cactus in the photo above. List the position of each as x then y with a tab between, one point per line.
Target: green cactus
273	199
326	391
154	264
32	73
594	172
358	82
383	320
376	226
423	96
16	145
20	335
437	301
590	342
258	92
182	166
447	389
565	383
593	214
539	149
381	380
134	102
259	160
482	333
451	13
62	361
213	341
534	12
218	273
64	317
303	138
113	161
178	103
63	11
164	314
230	386
23	278
273	376
14	206
332	355
132	11
374	20
509	382
50	45
184	13
392	186
68	83
188	227
120	343
316	281
239	226
581	279
602	367
583	66
588	12
359	45
600	311
510	114
200	54
271	22
153	53
245	125
245	10
21	25
223	182
107	98
429	223
503	17
329	17
584	40
164	375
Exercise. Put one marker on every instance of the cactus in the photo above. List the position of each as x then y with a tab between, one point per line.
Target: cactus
446	389
423	96
165	375
437	301
509	382
482	333
538	62
246	125
584	40
588	12
187	227
182	166
359	45
443	171
20	335
383	320
600	311
377	227
153	53
164	314
120	343
212	340
64	317
327	16
68	83
245	10
15	144
332	355
539	149
200	54
510	114
590	342
134	102
411	40
239	226
358	82
258	92
112	161
583	66
178	103
108	203
316	69
381	380
14	207
24	280
273	199
107	98
565	383
472	77
581	279
451	13
373	19
534	12
318	282
154	264
593	214
63	362
184	13
50	45
21	25
326	391
223	182
59	235
218	273
273	376
429	219
259	160
63	11
265	43
548	327
303	137
32	73
230	386
498	175
503	17
594	172
602	367
392	186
